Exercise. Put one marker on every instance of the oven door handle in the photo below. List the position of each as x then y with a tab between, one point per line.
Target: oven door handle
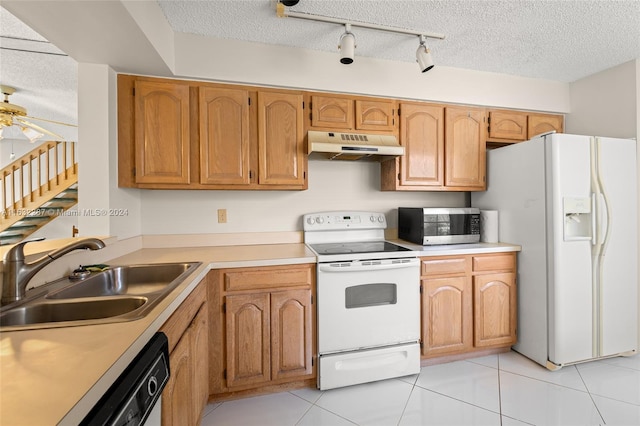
359	267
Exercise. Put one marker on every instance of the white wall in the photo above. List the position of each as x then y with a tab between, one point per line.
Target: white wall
605	104
255	63
98	191
333	185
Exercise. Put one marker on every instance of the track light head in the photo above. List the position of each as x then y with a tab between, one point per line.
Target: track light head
423	56
347	45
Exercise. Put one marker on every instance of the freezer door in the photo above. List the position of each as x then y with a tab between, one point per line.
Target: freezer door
570	267
617	316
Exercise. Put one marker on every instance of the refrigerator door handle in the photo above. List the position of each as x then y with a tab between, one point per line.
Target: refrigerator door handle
605	223
594	221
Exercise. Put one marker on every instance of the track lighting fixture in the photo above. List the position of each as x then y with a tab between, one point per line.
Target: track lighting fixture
423	56
348	41
347	45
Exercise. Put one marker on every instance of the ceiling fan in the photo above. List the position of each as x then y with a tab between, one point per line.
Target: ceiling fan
15	115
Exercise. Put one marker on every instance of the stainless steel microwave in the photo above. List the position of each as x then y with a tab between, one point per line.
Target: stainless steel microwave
430	226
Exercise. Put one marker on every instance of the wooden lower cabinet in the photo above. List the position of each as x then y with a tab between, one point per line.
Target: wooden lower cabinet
187	391
262	332
447	322
468	303
178	393
494	309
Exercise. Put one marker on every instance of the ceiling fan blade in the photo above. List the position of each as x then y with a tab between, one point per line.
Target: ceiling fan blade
51	121
38	128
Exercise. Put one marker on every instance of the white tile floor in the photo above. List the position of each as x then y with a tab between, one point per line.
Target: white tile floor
505	389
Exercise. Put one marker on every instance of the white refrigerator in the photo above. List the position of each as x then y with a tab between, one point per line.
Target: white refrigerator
570	201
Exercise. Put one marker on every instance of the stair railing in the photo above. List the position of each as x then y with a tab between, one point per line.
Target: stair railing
35	178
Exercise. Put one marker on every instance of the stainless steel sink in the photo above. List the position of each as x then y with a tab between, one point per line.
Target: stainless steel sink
120	293
47	312
130	280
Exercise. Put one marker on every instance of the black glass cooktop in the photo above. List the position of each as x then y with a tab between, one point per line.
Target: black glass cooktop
357	247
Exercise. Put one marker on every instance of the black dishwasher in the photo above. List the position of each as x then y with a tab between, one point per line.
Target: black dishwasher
132	397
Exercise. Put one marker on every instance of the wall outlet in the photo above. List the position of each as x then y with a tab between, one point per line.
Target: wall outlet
222	215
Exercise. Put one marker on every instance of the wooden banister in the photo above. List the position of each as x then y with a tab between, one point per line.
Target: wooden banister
21	193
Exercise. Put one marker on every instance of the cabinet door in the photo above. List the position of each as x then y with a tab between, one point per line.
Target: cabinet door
375	115
200	363
494	298
334	113
447	319
291	333
177	396
465	150
161	132
422	135
248	339
510	125
542	123
281	139
224	136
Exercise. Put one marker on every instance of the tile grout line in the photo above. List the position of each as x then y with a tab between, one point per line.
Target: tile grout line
499	389
590	395
413	386
313	404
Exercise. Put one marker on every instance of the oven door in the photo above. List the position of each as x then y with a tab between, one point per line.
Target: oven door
366	304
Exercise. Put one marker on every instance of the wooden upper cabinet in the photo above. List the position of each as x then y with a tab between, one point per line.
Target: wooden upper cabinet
507	127
510	125
542	123
281	150
375	115
345	113
422	135
224	136
162	132
331	112
465	150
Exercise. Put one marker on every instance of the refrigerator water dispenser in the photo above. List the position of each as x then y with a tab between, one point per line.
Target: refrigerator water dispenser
577	219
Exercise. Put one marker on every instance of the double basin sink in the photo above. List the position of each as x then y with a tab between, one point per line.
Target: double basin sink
120	293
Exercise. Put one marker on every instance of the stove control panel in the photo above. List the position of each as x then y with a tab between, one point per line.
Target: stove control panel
342	220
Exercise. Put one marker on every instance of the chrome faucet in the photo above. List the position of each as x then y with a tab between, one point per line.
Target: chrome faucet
17	273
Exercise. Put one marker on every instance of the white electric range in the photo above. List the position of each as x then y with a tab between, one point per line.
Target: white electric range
368	299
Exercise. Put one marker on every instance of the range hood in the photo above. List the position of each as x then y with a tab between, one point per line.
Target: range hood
353	146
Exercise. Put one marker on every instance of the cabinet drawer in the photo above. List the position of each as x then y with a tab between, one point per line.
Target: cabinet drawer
496	262
432	267
266	278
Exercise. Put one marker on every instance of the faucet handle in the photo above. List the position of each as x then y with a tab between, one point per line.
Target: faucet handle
16	253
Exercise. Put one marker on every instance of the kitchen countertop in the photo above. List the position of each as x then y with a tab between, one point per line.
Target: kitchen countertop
56	375
458	249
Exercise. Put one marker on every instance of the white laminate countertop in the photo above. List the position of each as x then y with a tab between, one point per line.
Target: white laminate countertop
458	249
56	375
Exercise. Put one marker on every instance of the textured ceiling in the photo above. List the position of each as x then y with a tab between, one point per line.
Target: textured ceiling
557	40
44	77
